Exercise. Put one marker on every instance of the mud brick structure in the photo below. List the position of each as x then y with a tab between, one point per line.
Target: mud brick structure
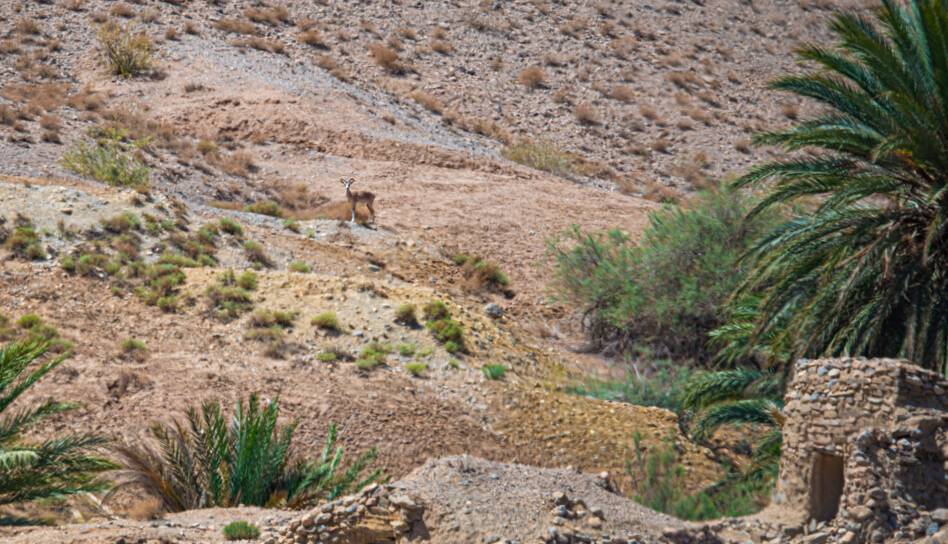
865	450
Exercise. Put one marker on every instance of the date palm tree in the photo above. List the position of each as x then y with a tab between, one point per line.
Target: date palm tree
51	468
862	268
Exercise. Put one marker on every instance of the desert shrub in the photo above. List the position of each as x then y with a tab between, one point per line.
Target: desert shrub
48	469
587	114
406	315
25	243
236	26
227	298
662	385
212	459
416	369
331	354
108	159
133	346
241	530
231	227
480	274
272	318
541	155
301	267
387	58
327	321
669	289
265	207
434	310
127	52
533	77
246	280
494	371
256	254
406	349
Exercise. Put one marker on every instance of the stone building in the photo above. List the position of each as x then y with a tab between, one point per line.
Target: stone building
865	451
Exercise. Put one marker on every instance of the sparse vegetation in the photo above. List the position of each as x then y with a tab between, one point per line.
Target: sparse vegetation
231	227
134	347
387	58
405	314
241	530
446	330
247	462
416	369
532	77
255	253
327	321
109	158
300	267
480	274
541	155
229	297
127	51
494	371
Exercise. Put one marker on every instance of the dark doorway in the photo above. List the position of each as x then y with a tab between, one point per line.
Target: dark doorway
826	486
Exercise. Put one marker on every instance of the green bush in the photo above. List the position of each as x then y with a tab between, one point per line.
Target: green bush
25	243
231	227
265	207
416	369
668	290
227	298
256	254
301	267
241	530
133	345
434	310
108	159
406	315
247	280
406	349
327	321
213	459
494	371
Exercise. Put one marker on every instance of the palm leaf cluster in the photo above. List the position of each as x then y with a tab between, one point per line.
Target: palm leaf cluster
739	396
863	270
207	460
52	468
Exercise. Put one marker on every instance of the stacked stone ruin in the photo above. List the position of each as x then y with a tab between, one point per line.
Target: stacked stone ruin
865	450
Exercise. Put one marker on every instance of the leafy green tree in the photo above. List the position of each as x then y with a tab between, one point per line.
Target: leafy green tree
863	268
48	469
667	290
209	461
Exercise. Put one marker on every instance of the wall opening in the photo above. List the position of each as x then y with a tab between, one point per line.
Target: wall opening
826	486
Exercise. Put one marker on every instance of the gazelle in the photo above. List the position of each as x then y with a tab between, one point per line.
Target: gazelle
354	197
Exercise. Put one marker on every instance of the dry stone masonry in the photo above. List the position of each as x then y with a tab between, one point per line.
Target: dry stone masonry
865	449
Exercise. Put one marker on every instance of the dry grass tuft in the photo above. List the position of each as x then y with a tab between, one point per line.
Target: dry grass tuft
236	26
532	77
271	16
313	38
260	44
442	47
587	115
387	58
428	101
122	10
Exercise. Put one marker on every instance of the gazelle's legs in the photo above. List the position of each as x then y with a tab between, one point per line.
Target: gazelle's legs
353	213
371	210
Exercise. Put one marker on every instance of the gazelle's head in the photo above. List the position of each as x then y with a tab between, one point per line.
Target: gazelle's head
348	182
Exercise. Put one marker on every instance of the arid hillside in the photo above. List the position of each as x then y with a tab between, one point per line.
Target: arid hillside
183	229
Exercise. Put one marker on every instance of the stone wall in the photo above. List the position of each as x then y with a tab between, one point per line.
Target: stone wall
865	449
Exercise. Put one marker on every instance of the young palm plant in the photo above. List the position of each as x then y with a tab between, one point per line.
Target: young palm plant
207	461
864	269
739	396
55	467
